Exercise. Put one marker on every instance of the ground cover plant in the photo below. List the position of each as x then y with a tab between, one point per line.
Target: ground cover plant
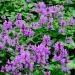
36	39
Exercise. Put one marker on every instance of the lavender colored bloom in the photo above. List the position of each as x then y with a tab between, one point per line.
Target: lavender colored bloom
29	16
69	40
3	17
34	25
27	32
50	26
41	8
63	22
65	69
50	20
46	40
60	53
43	19
19	16
7	40
62	30
7	25
71	22
41	5
21	24
61	7
8	68
1	46
31	66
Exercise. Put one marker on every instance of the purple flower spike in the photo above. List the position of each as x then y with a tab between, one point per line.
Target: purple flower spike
46	40
43	19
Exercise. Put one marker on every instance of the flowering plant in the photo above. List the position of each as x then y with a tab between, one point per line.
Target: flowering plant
37	44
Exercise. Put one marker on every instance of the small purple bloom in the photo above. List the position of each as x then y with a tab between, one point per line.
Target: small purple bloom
62	30
71	22
19	16
63	22
69	40
65	68
46	40
43	19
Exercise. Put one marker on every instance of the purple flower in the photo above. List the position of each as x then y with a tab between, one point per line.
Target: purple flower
41	5
21	24
43	19
7	25
62	30
34	25
63	22
29	16
65	69
50	26
28	32
69	40
7	40
3	17
60	53
31	66
46	40
61	7
19	16
8	68
1	46
71	22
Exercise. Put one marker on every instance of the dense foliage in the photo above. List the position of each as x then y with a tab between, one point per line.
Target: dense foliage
37	37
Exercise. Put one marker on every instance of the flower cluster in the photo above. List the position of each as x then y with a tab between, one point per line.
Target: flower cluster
29	56
60	54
